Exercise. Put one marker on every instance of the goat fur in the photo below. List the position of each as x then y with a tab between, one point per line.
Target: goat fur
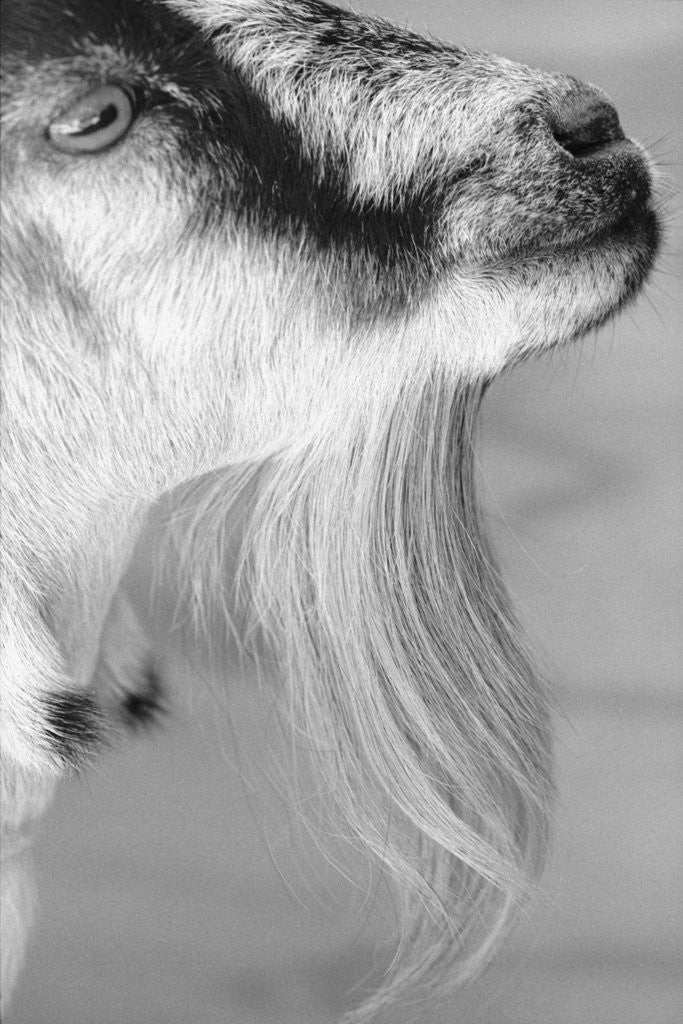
294	276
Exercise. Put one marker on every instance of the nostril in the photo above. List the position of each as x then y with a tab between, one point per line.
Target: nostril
586	124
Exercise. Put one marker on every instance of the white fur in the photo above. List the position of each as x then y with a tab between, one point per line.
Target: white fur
142	352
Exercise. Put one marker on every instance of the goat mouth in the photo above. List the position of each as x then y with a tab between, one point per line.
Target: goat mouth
598	270
623	249
612	184
614	203
635	220
633	227
619	171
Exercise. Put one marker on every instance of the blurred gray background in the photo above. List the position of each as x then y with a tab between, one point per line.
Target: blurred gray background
175	883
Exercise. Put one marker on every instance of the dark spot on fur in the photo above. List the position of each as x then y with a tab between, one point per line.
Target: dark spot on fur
144	706
73	726
384	253
381	253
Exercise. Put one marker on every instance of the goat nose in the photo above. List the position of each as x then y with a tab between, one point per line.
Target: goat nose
585	123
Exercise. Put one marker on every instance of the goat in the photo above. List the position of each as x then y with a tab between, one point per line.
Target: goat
284	249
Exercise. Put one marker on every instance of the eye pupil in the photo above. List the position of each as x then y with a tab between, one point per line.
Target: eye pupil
95	122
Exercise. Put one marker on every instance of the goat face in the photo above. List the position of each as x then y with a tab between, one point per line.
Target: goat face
278	234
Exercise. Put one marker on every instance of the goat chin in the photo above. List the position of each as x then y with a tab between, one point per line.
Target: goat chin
363	573
240	259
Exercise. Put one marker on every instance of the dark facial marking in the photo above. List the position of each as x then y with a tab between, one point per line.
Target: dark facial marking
144	706
73	726
283	193
256	166
386	251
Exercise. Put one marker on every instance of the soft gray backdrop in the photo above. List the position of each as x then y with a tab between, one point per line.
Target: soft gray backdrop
163	896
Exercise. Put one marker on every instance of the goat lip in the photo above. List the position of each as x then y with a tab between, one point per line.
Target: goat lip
632	225
634	218
622	167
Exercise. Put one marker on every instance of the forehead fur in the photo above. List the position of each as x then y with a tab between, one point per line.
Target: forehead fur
137	39
37	29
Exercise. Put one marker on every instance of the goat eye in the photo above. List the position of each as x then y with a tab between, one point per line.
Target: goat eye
97	121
